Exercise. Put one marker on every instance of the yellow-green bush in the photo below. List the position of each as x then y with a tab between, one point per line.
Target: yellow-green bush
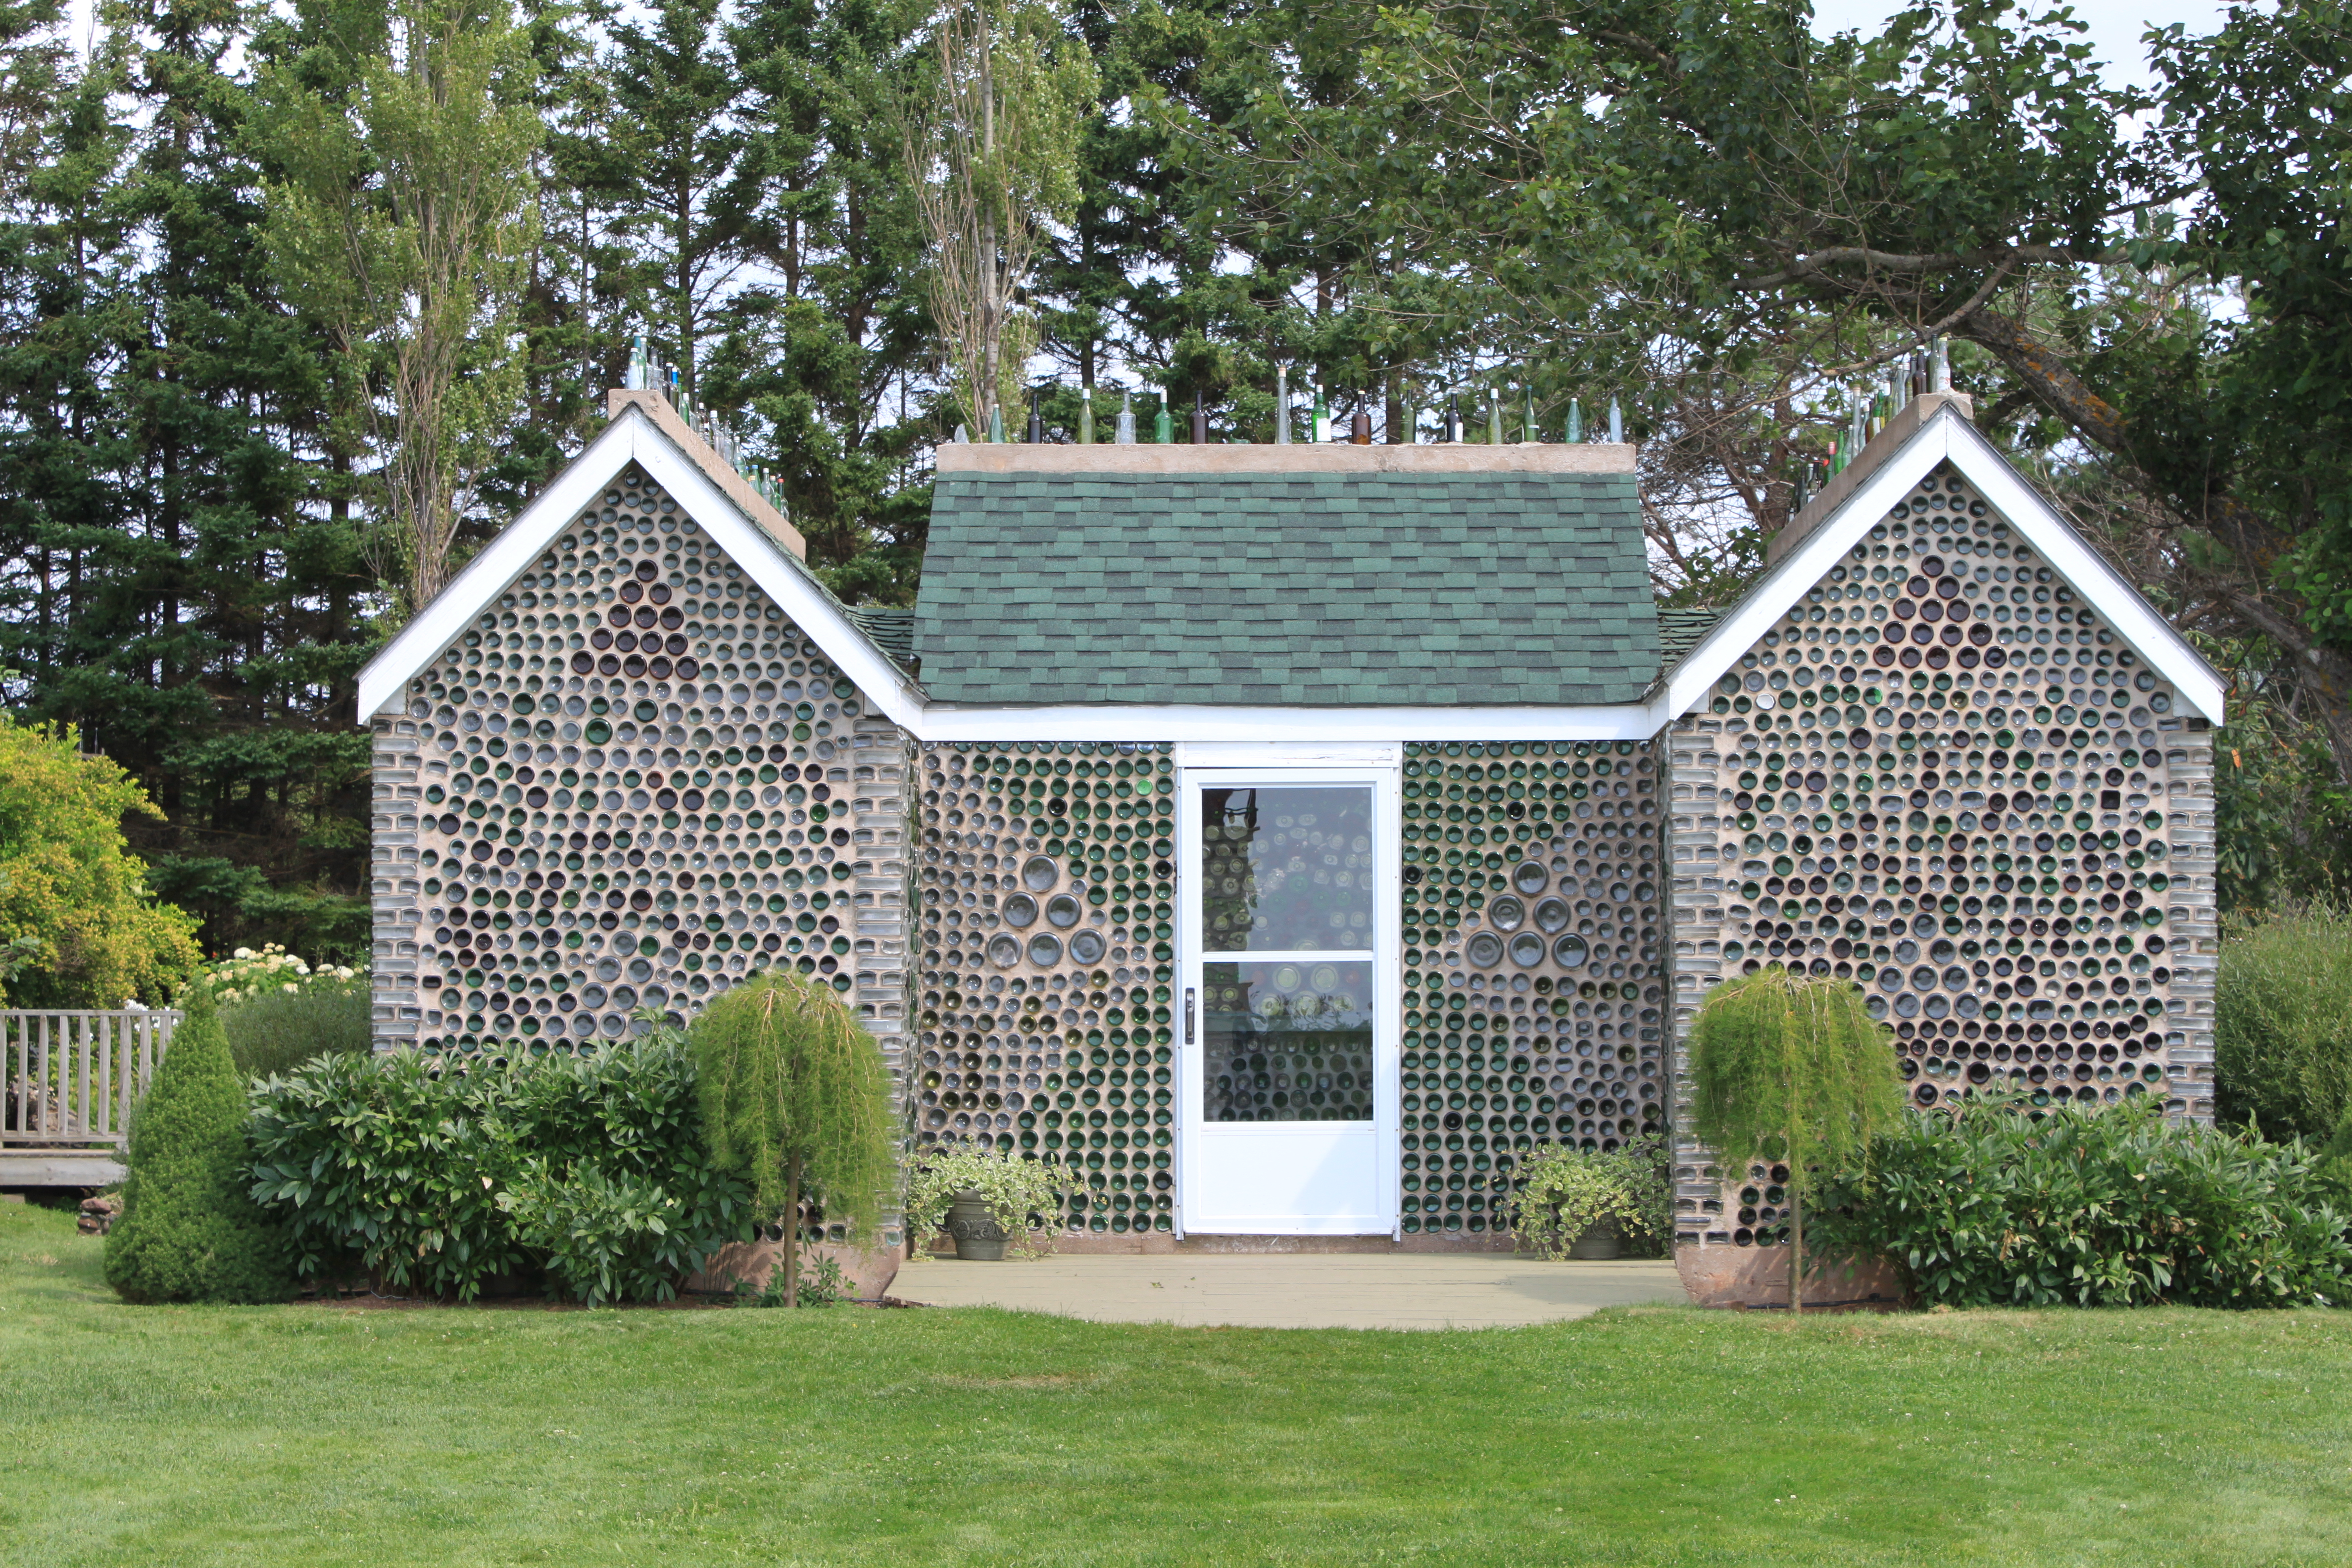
77	925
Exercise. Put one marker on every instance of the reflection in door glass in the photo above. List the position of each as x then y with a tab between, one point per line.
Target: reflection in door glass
1287	1041
1286	870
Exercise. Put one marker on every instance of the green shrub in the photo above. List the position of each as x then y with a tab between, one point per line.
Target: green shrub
189	1231
606	1237
2283	1023
271	1033
823	1283
1566	1190
1985	1204
1024	1192
402	1164
2335	1165
80	926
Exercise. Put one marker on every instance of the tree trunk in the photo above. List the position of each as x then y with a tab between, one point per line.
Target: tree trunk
791	1260
1796	1254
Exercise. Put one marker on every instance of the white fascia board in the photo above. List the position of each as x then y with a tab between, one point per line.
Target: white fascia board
1945	437
634	437
498	564
783	579
2149	633
1289	755
1314	726
1688	683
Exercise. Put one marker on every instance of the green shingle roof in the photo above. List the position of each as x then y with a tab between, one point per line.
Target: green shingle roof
1681	630
890	627
1425	590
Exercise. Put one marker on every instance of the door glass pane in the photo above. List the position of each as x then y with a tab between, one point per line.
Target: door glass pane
1286	870
1287	1041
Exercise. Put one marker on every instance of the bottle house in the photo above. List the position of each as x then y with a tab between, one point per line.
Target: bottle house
1292	837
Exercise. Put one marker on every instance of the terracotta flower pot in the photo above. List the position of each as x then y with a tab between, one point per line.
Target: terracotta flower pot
978	1237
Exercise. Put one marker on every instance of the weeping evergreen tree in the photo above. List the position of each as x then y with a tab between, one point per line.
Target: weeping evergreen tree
1792	1071
795	1099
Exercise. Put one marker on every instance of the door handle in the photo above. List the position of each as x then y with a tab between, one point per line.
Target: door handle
1188	1014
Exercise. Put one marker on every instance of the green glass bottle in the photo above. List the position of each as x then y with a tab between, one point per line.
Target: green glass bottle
1086	416
1163	429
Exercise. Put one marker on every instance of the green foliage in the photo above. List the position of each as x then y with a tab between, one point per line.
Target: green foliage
1985	1204
390	1162
2283	1022
822	1284
1024	1194
2253	109
1791	1071
189	1231
2334	1166
788	1081
402	1165
272	1032
1568	1190
993	163
403	223
180	574
74	910
2281	816
623	1237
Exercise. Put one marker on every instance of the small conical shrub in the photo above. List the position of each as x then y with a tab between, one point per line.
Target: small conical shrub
189	1229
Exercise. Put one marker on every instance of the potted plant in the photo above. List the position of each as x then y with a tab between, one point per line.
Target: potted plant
1791	1072
986	1200
1577	1203
795	1099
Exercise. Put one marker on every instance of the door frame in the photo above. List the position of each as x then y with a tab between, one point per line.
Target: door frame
1382	766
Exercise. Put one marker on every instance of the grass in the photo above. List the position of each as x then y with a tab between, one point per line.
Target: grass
317	1435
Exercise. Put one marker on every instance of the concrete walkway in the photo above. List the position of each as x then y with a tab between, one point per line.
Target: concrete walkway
1473	1291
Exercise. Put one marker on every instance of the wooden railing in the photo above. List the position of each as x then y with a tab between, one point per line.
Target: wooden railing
68	1079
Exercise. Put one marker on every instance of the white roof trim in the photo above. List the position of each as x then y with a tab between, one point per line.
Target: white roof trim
1945	437
634	437
1321	726
783	579
486	575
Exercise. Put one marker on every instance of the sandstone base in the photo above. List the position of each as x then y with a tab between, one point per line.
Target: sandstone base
752	1262
1758	1276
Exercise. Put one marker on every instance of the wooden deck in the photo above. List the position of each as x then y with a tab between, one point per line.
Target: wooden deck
70	1080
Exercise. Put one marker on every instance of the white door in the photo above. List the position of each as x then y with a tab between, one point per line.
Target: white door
1288	922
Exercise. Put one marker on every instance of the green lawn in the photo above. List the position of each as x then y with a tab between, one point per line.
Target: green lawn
313	1436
